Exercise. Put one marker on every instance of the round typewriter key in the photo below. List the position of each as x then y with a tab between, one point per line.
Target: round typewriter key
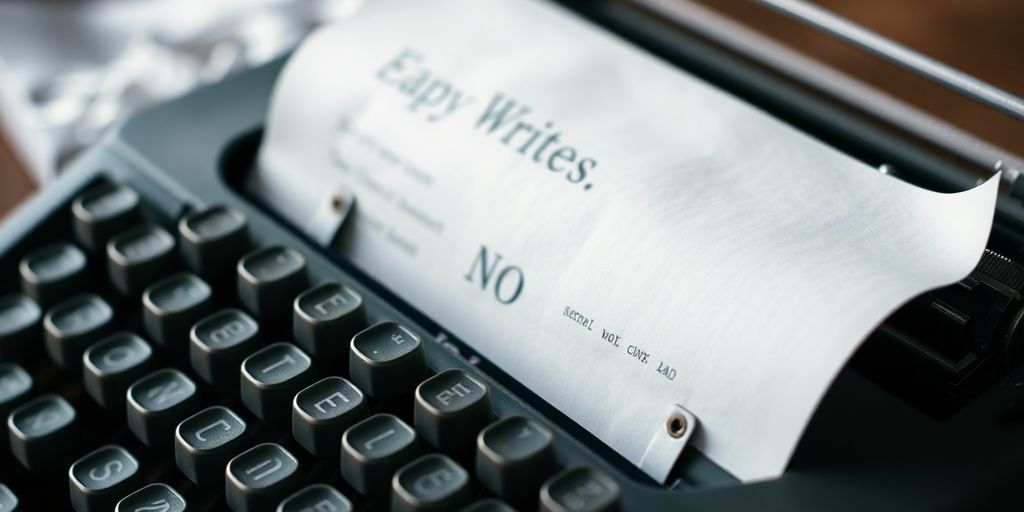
261	477
219	344
112	365
580	489
269	279
206	441
514	456
8	500
53	272
15	386
431	482
42	433
19	322
488	505
73	325
213	240
322	412
172	305
103	211
386	360
451	408
138	257
157	403
153	498
272	377
316	498
103	477
373	449
325	318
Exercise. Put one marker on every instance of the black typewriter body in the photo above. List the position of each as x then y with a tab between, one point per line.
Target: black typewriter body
891	433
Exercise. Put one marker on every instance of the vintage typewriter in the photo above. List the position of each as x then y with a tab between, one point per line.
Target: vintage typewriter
167	342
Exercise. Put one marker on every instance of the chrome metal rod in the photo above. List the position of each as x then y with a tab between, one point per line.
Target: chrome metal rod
954	79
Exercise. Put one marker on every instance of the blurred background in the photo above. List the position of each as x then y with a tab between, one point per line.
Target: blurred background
69	69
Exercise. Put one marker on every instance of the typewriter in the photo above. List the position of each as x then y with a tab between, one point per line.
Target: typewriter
169	343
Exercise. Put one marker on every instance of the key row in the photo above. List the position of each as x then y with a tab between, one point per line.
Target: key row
387	360
211	241
107	222
512	456
141	262
227	351
380	457
324	318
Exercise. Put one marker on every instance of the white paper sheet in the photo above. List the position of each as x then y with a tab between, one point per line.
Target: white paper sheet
744	258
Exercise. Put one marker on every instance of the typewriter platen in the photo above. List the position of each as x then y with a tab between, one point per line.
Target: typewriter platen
928	415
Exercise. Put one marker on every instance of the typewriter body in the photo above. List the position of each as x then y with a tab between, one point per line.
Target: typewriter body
928	415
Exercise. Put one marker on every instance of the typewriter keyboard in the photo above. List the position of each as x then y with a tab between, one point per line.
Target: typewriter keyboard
151	365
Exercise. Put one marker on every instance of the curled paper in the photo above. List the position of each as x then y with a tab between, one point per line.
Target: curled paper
614	233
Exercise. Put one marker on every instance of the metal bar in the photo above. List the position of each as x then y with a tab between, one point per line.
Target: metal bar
953	79
847	89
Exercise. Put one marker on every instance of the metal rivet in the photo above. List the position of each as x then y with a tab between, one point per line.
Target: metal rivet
676	426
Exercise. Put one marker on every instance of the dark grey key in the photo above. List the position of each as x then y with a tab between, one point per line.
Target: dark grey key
172	305
153	498
580	489
260	478
139	257
488	505
386	360
157	403
322	412
316	498
514	456
272	377
15	386
325	318
206	441
71	326
112	365
451	409
373	449
19	322
269	279
53	273
99	480
8	500
213	240
43	433
103	211
430	483
219	344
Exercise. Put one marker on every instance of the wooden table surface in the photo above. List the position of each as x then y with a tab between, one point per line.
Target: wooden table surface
15	183
981	37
